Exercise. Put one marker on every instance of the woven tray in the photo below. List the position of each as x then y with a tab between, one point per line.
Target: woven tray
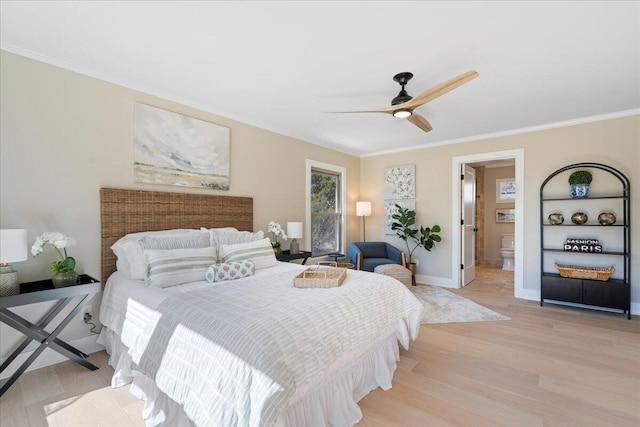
577	272
320	277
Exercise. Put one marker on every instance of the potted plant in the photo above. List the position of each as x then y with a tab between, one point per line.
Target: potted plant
580	181
404	225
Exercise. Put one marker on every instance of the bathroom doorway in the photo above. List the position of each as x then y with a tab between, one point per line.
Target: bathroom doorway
496	221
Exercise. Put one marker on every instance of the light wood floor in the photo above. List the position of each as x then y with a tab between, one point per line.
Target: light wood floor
551	366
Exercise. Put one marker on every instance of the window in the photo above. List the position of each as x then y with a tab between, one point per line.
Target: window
325	206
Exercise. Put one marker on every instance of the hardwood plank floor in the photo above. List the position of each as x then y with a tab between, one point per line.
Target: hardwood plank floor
547	366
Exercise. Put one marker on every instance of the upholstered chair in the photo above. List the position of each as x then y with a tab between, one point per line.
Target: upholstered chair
367	255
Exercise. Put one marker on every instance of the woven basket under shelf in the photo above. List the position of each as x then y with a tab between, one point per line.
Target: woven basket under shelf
577	272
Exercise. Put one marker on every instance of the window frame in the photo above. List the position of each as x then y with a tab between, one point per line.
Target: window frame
315	166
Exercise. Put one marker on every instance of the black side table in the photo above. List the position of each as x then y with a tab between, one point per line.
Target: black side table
40	291
287	256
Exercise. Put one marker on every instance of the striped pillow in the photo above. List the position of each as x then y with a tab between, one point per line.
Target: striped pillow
259	252
177	266
224	236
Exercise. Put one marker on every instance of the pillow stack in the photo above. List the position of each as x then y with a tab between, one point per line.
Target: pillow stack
173	257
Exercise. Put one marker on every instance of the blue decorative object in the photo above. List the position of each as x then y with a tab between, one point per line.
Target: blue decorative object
580	191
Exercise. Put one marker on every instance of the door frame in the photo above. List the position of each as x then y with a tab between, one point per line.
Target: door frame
456	209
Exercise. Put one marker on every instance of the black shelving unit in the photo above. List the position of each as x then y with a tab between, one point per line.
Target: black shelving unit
613	293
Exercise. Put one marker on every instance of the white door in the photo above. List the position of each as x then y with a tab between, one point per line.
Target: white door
468	224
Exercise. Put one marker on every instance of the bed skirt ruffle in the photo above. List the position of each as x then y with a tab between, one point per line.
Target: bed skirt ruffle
333	402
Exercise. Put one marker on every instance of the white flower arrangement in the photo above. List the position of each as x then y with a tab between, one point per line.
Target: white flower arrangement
60	242
276	230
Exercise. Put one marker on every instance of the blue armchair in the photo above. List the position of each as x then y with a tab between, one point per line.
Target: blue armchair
368	255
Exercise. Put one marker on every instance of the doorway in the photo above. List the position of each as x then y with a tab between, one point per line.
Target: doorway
459	272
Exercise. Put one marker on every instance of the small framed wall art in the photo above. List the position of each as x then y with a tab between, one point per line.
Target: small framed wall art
506	190
505	215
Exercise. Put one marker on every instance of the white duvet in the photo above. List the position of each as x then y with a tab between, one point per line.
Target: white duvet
239	352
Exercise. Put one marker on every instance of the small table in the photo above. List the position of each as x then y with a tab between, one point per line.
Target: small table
287	256
335	256
40	291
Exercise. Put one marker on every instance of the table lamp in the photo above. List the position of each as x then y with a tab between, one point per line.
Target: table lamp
13	248
294	231
363	209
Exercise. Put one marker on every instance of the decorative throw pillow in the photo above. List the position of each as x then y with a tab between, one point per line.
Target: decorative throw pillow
131	261
226	236
230	271
177	266
259	252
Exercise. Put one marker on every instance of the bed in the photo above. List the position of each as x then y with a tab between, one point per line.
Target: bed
252	351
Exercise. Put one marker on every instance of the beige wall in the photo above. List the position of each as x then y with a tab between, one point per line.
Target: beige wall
493	229
65	135
615	142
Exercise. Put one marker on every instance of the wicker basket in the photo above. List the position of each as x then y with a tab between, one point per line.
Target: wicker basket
577	272
320	277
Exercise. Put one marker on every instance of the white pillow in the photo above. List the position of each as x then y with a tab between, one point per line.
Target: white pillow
177	266
131	262
230	271
188	241
222	236
259	252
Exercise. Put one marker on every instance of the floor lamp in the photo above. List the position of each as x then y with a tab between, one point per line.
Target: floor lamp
363	209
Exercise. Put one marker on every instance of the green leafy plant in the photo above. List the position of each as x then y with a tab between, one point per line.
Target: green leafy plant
404	225
580	177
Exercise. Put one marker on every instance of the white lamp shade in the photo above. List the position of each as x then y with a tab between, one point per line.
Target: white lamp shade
294	230
13	246
363	208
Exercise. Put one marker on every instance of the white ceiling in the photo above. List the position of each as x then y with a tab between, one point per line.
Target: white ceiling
283	65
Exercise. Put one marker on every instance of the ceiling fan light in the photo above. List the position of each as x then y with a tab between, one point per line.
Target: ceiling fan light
402	114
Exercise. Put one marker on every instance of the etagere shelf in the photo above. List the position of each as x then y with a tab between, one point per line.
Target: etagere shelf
614	293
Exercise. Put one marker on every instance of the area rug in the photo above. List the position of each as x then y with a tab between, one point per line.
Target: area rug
442	306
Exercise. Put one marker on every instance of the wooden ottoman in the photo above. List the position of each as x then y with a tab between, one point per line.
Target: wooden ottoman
396	271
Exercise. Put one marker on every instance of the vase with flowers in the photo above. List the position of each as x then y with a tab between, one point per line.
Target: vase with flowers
64	270
276	230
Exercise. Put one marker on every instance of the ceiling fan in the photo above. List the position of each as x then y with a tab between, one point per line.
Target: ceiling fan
403	105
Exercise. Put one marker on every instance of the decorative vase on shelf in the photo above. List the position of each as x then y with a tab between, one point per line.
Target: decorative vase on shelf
277	249
580	191
64	279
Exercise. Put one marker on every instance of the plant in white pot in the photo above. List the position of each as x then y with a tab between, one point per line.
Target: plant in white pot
580	182
404	224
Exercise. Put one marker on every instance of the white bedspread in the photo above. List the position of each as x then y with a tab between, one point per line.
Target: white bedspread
239	352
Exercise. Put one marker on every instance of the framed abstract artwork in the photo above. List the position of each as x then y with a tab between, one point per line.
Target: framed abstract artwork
174	149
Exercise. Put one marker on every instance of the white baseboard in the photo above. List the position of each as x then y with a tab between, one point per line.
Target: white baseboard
436	281
49	357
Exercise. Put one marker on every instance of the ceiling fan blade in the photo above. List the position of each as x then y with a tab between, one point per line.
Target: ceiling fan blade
439	90
420	121
388	110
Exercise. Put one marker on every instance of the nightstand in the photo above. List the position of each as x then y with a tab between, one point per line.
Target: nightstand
287	256
41	291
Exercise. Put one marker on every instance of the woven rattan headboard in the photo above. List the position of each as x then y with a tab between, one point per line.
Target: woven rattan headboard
131	211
